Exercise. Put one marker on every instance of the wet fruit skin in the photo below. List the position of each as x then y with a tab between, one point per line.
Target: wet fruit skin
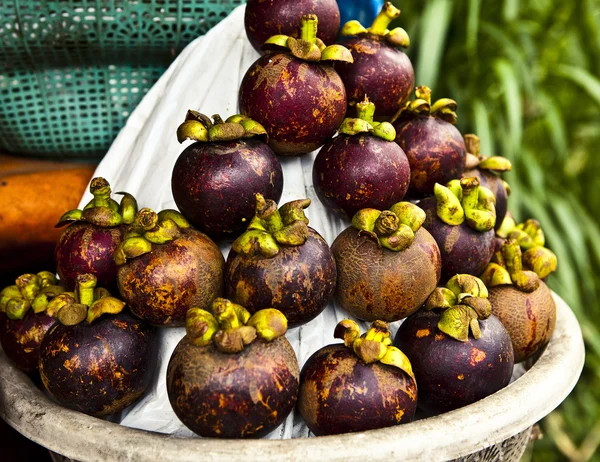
450	373
529	318
377	283
340	394
435	150
246	394
99	368
160	286
299	281
300	104
84	248
214	184
494	184
21	338
463	250
380	71
351	173
265	18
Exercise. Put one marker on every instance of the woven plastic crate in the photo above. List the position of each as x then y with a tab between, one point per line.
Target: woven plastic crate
71	71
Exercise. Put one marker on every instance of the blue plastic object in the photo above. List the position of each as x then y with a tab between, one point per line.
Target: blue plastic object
362	10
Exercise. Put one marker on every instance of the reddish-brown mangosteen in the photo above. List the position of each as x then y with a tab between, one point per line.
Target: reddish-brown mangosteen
234	375
380	70
361	168
300	100
487	170
387	264
362	384
519	297
459	352
265	18
166	267
97	359
88	244
461	219
215	180
23	317
282	263
433	145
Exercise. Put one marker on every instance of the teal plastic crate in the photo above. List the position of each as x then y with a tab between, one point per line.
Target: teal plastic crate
72	71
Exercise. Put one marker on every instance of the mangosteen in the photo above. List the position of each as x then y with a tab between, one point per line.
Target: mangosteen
98	359
23	317
361	168
88	244
234	375
519	297
362	384
282	263
461	219
265	18
166	267
433	145
300	100
387	264
215	179
380	69
460	353
487	170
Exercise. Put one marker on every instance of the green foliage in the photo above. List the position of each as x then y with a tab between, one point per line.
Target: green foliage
526	76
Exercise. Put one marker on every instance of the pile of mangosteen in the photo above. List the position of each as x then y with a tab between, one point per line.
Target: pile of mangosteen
429	245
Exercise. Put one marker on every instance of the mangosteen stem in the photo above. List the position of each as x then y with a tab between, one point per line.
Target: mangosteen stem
472	144
509	269
365	110
100	189
308	28
267	211
84	290
388	13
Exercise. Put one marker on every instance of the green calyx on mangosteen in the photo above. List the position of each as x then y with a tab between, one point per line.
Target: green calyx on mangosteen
281	262
387	264
199	127
23	318
364	123
234	374
363	384
98	358
396	37
166	267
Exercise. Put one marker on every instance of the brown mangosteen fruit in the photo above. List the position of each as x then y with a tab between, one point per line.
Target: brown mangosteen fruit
88	244
282	263
215	180
23	317
387	264
381	70
461	219
362	384
460	353
97	359
298	98
362	167
166	267
234	375
265	18
434	146
519	297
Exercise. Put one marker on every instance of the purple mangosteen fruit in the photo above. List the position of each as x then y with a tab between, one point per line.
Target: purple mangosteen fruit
234	375
487	170
88	244
266	18
387	263
281	262
97	359
362	384
215	180
23	317
461	219
380	70
166	267
520	298
459	351
298	98
362	167
434	146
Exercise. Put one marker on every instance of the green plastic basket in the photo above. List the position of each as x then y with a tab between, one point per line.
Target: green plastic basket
72	71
